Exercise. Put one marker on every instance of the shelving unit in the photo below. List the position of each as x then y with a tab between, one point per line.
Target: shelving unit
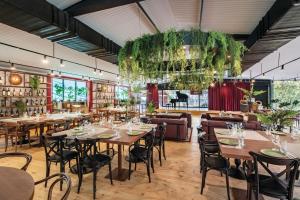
103	94
35	100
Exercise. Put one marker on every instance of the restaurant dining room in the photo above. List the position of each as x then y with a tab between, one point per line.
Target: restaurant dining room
149	99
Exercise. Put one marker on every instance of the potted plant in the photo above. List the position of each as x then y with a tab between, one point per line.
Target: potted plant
281	117
21	107
34	82
249	95
150	108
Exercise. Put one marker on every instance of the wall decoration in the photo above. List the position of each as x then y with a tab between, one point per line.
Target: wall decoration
15	79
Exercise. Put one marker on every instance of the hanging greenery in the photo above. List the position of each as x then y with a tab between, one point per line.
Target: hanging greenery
193	59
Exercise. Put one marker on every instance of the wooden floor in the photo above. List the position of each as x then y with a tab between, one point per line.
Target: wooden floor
178	178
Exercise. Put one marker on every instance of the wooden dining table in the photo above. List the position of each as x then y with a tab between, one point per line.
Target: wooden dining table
120	138
15	184
40	121
255	141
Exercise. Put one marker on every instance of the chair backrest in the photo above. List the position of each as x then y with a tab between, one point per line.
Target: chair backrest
290	166
86	148
53	145
18	154
207	146
61	177
161	129
149	140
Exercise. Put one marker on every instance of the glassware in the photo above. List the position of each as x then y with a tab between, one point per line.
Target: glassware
283	146
268	131
275	139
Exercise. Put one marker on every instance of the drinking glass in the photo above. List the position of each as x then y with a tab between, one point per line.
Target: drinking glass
283	146
275	139
269	128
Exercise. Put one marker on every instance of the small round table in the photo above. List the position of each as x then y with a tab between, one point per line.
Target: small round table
15	184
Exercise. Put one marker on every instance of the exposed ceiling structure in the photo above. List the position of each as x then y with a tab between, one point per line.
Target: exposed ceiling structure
99	28
279	26
15	37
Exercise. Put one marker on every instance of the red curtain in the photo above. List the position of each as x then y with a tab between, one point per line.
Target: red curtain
152	94
226	96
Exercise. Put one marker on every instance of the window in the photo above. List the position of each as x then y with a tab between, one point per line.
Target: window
121	93
195	100
286	91
69	90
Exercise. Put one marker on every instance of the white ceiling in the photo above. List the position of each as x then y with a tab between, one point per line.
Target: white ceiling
287	52
16	37
122	23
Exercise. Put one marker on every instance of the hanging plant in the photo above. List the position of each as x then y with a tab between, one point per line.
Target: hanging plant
153	56
34	82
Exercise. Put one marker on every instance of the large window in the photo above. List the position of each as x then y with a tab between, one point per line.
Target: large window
286	91
68	90
194	100
121	93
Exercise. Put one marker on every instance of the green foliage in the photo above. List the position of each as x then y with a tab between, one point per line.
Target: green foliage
81	92
59	90
153	56
150	107
34	82
70	93
280	117
286	91
136	89
21	106
249	94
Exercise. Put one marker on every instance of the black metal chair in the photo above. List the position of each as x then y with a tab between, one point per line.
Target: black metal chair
270	183
159	141
18	154
211	147
61	177
56	152
213	161
90	161
142	153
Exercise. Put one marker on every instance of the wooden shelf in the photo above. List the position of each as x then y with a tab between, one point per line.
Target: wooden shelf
35	97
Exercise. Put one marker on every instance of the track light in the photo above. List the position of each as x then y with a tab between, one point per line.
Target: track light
59	74
282	67
118	77
95	71
12	66
45	61
62	63
263	74
52	73
82	77
100	73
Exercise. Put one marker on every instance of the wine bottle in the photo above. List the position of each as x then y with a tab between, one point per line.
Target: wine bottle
13	92
8	92
25	93
30	92
3	92
20	92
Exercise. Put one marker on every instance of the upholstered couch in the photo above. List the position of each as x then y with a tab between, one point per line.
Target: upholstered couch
177	129
209	125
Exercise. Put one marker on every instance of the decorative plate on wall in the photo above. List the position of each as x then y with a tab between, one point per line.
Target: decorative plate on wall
15	79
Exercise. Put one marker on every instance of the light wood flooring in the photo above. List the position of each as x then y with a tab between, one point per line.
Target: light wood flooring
178	178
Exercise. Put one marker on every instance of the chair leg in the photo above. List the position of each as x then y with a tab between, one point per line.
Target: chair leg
48	165
134	166
129	171
148	171
159	154
62	170
80	174
94	182
204	171
152	162
164	152
227	184
28	136
110	173
6	142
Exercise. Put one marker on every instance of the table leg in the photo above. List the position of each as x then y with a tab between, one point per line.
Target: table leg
119	173
237	172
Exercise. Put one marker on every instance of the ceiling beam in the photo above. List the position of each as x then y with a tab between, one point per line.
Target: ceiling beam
147	16
89	6
240	36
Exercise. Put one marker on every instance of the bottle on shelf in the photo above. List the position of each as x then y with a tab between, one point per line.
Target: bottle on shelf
3	92
8	92
20	92
30	92
13	92
25	92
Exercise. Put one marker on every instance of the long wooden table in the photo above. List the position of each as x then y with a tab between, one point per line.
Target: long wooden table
122	138
42	120
255	141
15	184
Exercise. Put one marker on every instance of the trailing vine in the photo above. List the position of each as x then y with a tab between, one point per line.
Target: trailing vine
153	56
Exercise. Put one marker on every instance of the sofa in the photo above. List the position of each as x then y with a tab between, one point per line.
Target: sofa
177	129
209	125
